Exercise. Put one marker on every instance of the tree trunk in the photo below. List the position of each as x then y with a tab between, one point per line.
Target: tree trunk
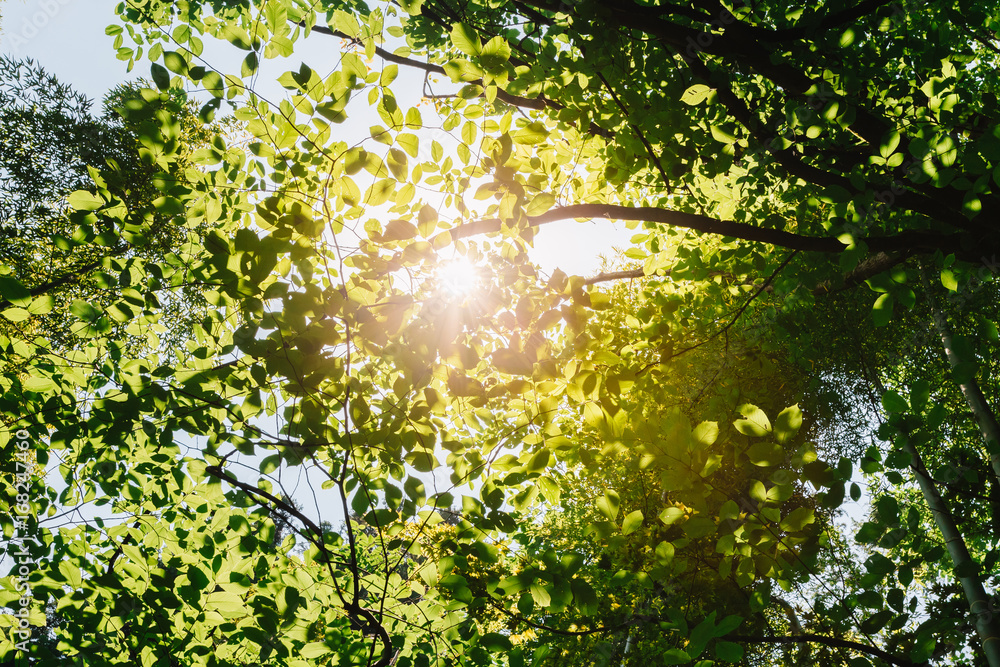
984	414
987	627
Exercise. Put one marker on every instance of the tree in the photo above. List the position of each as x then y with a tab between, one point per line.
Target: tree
772	159
54	147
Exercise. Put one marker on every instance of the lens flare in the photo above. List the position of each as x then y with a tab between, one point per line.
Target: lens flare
459	277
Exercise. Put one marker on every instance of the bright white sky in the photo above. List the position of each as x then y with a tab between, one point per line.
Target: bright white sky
67	38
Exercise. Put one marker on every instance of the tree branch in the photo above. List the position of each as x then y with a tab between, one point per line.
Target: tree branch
607	276
365	618
58	282
913	241
871	266
538	103
828	641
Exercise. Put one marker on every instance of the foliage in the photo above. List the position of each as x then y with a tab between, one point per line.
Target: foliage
533	469
54	147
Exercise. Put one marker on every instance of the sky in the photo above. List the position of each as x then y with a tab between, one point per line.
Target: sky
67	37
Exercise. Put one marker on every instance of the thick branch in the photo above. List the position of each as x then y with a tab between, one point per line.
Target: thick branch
912	241
607	276
829	22
828	641
58	282
870	267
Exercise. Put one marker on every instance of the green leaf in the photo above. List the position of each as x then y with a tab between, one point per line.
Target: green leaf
378	193
314	650
538	462
766	454
797	519
495	642
249	66
541	203
212	82
608	504
788	423
698	527
399	230
236	36
889	143
525	498
728	652
270	464
411	7
511	362
920	393
892	402
494	55
526	604
72	574
722	135
670	515
949	280
41	305
531	134
705	434
388	75
882	310
675	656
13	291
664	552
160	76
84	311
696	94
877	621
175	62
81	200
869	533
632	522
602	529
466	39
541	594
756	423
16	314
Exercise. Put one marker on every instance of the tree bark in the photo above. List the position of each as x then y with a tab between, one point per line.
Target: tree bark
985	417
828	641
908	241
58	282
987	627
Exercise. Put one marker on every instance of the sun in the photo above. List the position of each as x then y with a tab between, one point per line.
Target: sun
459	277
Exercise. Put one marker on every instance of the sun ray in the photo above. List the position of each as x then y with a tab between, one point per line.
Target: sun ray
459	277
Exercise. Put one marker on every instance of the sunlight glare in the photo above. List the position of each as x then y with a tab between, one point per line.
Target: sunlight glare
459	277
